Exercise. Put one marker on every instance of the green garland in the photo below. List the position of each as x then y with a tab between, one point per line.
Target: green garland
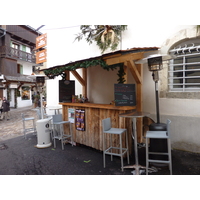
60	71
52	73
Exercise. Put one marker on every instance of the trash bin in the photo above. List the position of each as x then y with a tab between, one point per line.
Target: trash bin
43	133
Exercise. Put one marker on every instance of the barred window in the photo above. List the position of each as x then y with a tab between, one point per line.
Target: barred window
184	70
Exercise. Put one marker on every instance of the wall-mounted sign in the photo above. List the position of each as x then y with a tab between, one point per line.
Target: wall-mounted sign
41	41
125	95
41	56
80	119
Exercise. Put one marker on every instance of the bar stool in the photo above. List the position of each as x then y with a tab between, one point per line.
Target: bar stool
59	133
159	135
106	123
29	129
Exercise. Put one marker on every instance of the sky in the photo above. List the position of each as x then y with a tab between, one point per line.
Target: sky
147	35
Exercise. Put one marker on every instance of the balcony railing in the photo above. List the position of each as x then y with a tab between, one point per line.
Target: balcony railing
10	52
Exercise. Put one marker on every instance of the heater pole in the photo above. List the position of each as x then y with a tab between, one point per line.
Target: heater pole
157	102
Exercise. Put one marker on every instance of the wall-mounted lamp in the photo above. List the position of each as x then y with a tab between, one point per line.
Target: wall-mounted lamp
40	80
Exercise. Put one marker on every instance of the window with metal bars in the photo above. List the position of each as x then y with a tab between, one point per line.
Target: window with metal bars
184	70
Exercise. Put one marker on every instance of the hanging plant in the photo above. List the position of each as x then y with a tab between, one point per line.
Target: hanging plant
121	74
105	36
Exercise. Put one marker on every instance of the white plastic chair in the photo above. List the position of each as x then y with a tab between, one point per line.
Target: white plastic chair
107	129
159	135
58	133
28	129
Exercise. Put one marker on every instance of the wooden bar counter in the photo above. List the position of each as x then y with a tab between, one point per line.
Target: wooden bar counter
94	114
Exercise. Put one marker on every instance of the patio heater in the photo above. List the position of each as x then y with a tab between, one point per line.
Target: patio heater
155	64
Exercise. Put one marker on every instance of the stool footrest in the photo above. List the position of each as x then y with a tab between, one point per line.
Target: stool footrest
159	153
159	161
124	150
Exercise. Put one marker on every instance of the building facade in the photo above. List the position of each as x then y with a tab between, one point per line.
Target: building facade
17	58
179	87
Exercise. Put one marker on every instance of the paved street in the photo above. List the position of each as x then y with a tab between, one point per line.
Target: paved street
20	157
14	127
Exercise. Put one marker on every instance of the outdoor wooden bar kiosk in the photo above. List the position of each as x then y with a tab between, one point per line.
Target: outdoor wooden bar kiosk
94	113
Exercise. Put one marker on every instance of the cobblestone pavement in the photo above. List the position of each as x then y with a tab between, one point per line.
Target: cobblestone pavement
14	126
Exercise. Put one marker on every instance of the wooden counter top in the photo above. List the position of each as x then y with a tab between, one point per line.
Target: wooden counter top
101	106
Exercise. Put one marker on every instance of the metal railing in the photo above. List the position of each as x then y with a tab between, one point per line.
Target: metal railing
10	52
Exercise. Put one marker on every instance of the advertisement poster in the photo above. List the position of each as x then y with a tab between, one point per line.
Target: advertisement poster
80	119
71	115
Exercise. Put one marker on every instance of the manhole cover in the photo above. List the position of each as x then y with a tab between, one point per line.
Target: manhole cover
3	147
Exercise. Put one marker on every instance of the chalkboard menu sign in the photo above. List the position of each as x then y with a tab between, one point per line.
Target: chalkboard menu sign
66	90
125	94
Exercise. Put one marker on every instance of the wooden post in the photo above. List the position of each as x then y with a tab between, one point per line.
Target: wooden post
84	87
67	75
139	101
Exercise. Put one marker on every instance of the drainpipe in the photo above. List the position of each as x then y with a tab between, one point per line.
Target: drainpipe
3	32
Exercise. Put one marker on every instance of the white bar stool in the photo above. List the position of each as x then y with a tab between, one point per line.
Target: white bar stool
59	134
159	135
29	129
106	123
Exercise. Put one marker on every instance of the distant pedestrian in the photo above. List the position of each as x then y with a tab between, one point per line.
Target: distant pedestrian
37	100
1	101
6	109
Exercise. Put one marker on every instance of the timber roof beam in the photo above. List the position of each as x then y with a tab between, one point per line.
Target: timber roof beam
78	77
134	71
123	58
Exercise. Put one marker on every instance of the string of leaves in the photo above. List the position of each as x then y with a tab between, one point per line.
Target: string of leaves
60	71
121	74
52	73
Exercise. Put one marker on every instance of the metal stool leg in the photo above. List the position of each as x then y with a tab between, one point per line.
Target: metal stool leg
104	160
120	141
70	132
34	127
54	139
126	134
147	157
24	129
62	132
169	155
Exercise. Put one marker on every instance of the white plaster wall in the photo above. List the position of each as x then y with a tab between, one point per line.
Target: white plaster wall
101	84
27	67
23	103
184	113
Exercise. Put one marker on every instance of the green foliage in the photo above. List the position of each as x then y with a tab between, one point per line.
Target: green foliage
60	71
105	36
121	74
52	73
